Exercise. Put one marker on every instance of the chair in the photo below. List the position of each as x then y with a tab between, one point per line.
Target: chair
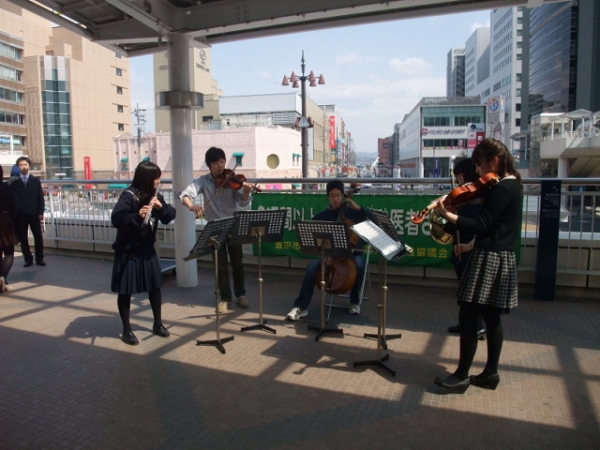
346	304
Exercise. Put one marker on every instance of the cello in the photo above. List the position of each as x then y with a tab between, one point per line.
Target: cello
341	273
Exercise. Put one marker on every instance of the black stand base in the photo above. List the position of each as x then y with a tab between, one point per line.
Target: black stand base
383	338
378	363
322	331
260	326
217	343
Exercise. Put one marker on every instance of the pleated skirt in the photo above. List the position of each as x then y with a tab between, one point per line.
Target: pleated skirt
490	278
133	275
7	231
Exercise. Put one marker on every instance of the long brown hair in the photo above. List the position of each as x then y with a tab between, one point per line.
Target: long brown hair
487	149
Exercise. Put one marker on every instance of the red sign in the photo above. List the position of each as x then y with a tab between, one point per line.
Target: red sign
332	133
87	170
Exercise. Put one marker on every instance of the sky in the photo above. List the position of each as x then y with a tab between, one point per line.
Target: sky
375	74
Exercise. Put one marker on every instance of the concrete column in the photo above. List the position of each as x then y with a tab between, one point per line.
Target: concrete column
181	148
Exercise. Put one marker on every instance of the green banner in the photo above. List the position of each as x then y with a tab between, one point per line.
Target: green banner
400	208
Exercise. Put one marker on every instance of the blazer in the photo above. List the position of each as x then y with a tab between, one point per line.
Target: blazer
30	198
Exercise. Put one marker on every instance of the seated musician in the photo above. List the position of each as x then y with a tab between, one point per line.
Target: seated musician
340	208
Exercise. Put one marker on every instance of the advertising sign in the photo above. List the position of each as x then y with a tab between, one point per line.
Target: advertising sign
332	132
87	170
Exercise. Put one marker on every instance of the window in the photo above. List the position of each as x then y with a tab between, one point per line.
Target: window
120	108
518	107
119	90
121	127
118	55
207	118
119	72
273	161
238	158
517	122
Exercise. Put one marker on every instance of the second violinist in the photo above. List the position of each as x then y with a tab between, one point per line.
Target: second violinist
338	208
224	201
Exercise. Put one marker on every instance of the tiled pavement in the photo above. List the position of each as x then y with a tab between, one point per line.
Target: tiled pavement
68	382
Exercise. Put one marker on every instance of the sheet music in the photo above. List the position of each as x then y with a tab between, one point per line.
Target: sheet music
378	239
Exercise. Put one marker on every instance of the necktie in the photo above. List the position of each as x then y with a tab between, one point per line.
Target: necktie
24	180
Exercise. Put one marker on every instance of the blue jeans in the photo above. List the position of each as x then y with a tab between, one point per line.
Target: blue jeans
308	284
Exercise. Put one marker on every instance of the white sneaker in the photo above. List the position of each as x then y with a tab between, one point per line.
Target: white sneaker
224	307
2	283
354	309
296	313
243	301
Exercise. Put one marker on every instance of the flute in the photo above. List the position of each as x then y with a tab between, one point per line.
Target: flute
149	215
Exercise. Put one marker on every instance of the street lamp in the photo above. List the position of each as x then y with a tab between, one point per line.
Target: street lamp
304	123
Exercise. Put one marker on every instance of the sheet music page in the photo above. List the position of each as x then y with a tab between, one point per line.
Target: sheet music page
378	238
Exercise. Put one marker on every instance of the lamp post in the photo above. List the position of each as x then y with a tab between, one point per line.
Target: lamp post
304	123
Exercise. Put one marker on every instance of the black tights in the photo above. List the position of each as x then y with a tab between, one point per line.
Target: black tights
124	304
7	260
470	316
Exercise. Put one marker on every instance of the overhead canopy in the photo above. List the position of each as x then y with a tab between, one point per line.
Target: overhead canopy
136	27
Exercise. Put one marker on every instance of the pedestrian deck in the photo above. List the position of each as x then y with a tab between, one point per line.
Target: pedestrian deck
68	382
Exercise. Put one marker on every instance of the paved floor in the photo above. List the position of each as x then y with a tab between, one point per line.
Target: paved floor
68	382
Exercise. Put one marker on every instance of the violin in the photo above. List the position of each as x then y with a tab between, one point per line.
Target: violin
228	179
460	196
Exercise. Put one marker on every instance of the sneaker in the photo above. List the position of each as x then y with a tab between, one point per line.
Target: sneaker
2	283
296	314
243	301
354	308
224	307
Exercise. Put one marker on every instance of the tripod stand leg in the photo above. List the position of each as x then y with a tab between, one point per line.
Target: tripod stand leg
217	343
261	323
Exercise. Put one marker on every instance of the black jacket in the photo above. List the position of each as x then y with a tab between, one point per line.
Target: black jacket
132	236
29	199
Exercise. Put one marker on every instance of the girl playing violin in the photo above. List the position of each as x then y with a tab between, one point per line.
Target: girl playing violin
488	287
223	202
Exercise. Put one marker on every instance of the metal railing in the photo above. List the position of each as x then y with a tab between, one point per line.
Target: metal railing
78	214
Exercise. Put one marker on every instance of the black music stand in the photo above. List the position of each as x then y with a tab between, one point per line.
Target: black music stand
262	226
212	237
324	239
388	248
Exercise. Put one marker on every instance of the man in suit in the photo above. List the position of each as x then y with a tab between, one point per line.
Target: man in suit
29	198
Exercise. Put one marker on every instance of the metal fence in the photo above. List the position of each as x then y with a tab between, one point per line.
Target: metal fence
76	213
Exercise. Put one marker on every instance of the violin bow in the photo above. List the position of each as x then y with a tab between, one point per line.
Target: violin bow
454	182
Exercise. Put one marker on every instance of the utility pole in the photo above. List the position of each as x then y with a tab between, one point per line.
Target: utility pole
140	118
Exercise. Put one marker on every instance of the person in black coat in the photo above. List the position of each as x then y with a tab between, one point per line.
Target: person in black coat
8	238
136	266
29	197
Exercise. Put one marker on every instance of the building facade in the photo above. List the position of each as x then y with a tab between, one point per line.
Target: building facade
437	131
455	73
76	96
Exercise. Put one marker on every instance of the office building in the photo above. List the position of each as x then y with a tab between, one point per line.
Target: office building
455	73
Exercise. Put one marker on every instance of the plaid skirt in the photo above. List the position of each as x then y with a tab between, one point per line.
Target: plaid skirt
7	231
135	274
490	278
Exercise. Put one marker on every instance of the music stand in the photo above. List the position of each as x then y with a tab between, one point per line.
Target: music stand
382	220
324	239
387	248
262	226
212	237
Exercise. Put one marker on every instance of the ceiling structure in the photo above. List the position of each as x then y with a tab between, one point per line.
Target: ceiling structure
137	27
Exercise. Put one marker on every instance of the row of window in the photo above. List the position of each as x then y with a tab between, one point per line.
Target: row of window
458	121
10	52
10	95
444	143
10	73
13	118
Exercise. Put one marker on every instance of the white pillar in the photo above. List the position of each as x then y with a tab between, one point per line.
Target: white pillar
181	149
563	168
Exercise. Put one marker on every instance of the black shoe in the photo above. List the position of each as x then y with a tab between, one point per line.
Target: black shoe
40	262
28	263
481	334
129	338
486	381
453	383
454	329
160	330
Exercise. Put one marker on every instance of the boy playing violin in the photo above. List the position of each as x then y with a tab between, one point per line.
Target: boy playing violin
221	201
